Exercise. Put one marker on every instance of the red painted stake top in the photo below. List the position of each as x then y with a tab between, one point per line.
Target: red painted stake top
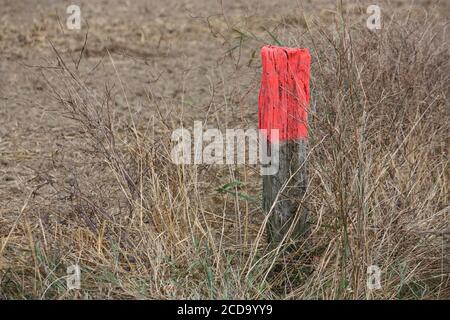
284	93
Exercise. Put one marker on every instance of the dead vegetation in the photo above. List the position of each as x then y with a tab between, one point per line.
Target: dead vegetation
140	226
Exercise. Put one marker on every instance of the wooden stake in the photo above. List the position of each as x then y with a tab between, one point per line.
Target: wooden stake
283	106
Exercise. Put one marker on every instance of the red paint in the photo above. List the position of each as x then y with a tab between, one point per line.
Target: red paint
284	92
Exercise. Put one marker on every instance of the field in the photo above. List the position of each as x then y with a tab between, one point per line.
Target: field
86	176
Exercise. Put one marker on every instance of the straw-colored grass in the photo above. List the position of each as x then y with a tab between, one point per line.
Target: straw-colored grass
140	226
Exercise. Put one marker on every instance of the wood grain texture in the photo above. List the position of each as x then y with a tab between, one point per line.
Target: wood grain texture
283	192
284	93
283	105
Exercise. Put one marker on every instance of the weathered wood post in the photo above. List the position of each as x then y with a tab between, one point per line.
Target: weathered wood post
283	105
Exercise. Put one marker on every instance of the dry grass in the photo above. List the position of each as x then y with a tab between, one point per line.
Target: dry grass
142	227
